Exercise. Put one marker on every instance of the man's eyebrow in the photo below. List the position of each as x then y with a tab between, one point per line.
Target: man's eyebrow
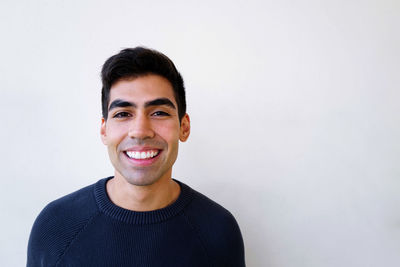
160	102
118	103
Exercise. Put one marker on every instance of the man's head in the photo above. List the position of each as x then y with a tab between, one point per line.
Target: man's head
144	115
136	62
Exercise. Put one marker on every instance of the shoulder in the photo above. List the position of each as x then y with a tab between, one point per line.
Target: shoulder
203	208
58	223
218	230
79	204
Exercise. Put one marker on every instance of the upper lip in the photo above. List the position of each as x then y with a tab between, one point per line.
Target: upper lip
139	149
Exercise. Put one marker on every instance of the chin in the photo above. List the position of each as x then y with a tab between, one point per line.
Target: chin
141	181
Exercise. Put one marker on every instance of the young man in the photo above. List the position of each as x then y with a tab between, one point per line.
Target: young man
140	216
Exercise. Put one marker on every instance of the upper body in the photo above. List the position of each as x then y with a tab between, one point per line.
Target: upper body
144	119
86	229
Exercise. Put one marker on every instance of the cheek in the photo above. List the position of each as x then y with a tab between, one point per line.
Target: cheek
115	134
168	132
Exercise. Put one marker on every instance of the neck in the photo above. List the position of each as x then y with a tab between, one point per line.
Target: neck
142	198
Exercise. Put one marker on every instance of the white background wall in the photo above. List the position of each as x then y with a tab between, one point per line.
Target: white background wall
294	108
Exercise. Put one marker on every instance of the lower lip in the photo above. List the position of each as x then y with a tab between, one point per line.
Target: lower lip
143	162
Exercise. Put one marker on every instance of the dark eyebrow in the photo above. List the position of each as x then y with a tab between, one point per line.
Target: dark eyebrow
119	103
160	102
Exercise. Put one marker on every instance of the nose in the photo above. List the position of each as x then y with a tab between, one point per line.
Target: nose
140	127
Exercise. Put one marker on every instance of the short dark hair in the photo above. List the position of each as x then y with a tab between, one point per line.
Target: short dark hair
137	62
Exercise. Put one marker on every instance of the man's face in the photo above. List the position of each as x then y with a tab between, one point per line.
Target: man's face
142	130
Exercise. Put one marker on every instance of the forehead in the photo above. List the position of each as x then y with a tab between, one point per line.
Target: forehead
142	89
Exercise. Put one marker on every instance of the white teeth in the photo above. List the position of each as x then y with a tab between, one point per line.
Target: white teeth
142	155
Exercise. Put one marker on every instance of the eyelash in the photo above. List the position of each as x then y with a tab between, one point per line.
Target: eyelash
121	115
160	113
126	114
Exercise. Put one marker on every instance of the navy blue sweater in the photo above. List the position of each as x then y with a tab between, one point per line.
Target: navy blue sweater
86	229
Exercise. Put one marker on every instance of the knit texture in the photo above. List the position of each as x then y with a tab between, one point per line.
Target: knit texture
86	229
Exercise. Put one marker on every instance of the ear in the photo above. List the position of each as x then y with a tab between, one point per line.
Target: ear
103	134
185	128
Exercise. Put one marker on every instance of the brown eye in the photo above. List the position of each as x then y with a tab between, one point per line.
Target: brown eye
121	115
160	114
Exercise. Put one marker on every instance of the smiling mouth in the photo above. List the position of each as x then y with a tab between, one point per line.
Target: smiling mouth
149	154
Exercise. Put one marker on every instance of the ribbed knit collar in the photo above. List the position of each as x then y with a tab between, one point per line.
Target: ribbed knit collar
140	217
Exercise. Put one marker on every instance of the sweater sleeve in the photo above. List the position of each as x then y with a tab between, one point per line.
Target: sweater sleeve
57	225
218	231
